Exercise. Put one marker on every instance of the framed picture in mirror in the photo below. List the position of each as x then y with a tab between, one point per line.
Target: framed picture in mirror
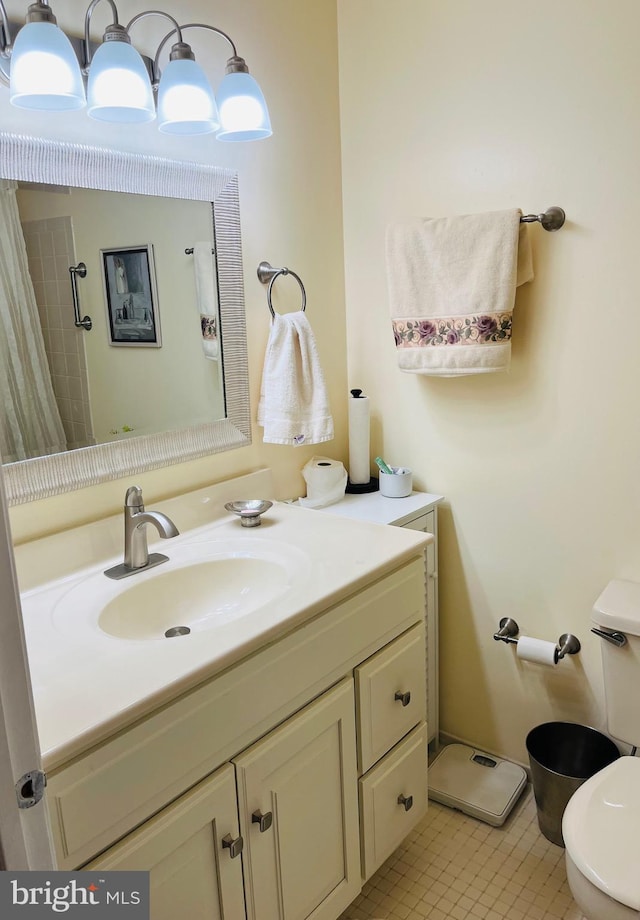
131	296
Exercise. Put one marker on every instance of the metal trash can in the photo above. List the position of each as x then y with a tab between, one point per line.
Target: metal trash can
562	756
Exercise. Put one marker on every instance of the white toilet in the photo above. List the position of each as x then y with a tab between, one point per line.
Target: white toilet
601	823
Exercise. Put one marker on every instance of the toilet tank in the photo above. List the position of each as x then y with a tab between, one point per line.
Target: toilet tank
617	610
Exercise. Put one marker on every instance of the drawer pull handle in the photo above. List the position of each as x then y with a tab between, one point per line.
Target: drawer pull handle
234	845
406	801
404	698
265	821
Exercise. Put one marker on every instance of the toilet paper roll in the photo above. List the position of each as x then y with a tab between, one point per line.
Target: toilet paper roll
537	650
359	462
326	481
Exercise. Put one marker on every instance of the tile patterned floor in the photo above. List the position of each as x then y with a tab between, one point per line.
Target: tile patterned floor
454	867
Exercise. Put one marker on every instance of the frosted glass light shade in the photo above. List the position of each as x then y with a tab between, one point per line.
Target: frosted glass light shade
119	89
243	111
186	104
44	72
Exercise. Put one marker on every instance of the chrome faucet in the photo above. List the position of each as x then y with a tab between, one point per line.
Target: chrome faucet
136	551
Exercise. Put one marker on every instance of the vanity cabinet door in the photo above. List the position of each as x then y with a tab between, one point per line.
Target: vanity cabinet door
192	874
297	793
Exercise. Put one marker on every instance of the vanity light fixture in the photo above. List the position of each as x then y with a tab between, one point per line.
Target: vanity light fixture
243	112
186	104
118	85
46	69
45	73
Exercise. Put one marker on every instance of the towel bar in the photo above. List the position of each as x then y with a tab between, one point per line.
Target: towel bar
189	251
267	274
551	219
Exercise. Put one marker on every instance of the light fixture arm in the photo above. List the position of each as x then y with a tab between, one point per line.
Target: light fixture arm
5	50
176	26
179	30
87	24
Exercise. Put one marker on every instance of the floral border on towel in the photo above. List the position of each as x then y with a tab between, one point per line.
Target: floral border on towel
469	329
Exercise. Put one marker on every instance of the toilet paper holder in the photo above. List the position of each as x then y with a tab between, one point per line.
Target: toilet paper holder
567	643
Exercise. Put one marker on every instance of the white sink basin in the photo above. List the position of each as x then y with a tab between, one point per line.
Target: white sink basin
193	597
202	587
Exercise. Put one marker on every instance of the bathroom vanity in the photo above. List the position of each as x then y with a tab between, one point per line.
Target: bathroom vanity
268	763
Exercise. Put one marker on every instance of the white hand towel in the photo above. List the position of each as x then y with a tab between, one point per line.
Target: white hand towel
452	284
207	297
294	408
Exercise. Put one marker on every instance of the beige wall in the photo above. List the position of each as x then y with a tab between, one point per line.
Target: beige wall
460	107
290	201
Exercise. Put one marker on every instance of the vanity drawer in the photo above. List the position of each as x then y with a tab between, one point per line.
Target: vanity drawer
391	695
384	820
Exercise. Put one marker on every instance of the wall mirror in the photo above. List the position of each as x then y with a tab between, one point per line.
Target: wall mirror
162	375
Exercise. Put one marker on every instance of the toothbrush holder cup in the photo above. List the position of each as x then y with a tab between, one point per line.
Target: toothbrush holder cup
397	484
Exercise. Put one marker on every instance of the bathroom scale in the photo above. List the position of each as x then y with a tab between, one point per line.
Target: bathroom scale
475	783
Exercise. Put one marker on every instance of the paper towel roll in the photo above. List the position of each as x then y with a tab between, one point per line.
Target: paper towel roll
359	463
326	480
537	650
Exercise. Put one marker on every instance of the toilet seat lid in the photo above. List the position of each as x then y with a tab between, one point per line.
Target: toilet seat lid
600	830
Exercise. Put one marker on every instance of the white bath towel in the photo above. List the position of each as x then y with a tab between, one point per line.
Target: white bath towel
207	297
294	408
452	284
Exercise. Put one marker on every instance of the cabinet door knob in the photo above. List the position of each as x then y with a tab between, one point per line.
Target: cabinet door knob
234	845
265	821
404	698
406	801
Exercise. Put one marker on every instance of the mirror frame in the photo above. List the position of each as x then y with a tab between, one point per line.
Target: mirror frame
60	163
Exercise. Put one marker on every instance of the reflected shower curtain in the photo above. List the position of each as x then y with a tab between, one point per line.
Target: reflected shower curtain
30	424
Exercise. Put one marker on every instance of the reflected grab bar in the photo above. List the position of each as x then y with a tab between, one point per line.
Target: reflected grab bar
81	270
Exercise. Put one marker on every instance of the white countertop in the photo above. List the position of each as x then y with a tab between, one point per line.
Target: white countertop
377	508
87	684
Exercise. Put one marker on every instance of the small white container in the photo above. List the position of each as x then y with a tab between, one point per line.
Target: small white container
397	484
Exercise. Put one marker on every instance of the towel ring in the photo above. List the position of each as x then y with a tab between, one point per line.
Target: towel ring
268	274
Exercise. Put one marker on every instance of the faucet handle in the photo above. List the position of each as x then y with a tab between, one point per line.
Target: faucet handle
133	498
